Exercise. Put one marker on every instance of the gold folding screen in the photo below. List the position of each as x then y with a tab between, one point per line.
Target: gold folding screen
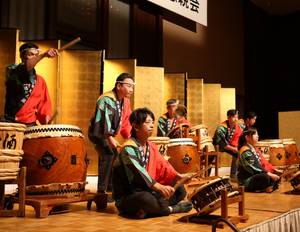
174	87
195	101
289	126
227	98
78	90
149	90
8	50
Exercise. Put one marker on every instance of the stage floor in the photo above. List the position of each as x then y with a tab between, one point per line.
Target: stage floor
259	206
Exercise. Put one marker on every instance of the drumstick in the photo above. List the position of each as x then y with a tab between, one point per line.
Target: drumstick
189	177
53	117
74	41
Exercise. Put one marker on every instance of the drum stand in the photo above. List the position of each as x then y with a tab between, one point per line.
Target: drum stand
225	201
21	196
43	204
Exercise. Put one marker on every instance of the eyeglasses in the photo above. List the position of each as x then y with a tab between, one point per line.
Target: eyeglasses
149	122
129	85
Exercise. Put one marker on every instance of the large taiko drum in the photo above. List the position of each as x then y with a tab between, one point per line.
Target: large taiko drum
183	155
291	151
276	152
56	159
207	197
11	142
264	148
161	143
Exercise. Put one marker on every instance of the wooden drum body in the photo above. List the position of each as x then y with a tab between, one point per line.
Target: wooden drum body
11	142
56	160
277	152
161	143
264	147
207	197
183	155
291	151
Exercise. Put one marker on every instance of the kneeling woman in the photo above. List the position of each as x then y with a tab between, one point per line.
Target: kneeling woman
142	178
251	173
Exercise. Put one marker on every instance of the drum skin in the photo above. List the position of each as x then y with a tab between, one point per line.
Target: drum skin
54	160
183	157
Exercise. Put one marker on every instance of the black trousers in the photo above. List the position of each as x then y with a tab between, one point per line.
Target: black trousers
152	203
259	182
106	157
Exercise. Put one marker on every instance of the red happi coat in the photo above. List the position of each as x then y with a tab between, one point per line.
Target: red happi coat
37	106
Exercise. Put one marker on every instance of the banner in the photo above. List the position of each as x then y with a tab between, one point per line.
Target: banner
195	10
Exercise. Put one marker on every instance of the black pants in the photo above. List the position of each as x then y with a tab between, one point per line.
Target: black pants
152	203
259	182
106	157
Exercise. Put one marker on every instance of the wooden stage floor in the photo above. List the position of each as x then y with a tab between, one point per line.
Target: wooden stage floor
259	206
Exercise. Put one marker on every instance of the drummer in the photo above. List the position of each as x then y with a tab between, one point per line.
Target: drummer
168	121
249	119
111	116
181	115
142	179
227	136
251	173
27	99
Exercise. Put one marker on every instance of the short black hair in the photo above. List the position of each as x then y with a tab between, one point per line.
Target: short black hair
242	139
250	115
232	112
138	117
181	110
172	101
27	46
122	77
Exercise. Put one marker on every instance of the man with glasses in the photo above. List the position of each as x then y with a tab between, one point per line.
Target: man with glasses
111	117
27	98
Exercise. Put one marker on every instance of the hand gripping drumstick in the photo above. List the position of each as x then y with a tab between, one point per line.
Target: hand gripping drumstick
74	41
190	176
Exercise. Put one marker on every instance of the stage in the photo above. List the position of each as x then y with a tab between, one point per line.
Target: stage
267	212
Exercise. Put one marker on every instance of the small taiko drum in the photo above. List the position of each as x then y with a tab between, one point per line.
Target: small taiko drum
276	152
183	155
207	197
264	147
291	151
295	181
161	143
180	131
11	142
9	164
11	135
56	159
208	141
201	130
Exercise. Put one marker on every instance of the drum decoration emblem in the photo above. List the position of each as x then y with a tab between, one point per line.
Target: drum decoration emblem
47	160
186	159
279	156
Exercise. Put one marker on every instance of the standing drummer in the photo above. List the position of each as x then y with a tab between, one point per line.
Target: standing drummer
111	116
27	98
168	121
227	136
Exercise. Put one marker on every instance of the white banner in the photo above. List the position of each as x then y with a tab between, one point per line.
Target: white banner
195	10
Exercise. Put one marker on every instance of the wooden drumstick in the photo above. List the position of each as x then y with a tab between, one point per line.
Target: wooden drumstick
74	41
53	117
189	177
